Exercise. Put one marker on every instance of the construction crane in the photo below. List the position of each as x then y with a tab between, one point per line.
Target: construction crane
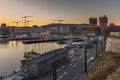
28	21
17	22
59	21
25	17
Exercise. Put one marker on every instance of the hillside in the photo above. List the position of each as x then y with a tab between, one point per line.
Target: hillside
106	67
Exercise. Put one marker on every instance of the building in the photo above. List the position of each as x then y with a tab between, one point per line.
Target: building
115	34
103	21
111	24
43	63
114	28
31	31
93	21
91	31
64	29
3	25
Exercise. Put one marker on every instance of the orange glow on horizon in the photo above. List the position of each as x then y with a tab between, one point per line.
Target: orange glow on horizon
40	23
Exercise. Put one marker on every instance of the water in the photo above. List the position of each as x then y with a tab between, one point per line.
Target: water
11	53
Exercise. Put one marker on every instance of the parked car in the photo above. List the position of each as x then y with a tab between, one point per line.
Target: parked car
92	59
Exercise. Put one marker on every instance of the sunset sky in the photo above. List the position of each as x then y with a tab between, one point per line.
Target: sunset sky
71	11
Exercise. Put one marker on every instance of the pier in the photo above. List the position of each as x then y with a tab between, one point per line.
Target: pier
40	40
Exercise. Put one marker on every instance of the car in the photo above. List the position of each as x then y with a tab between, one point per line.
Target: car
92	59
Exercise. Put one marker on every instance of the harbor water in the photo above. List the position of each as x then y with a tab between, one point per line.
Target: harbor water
13	51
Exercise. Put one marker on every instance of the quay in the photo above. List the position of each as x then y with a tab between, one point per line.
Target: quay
59	40
40	41
39	65
17	39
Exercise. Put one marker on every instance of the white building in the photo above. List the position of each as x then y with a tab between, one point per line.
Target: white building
64	29
31	31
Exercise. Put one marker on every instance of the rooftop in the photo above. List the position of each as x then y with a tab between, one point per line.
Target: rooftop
47	55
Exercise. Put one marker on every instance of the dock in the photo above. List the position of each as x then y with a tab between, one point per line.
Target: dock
40	41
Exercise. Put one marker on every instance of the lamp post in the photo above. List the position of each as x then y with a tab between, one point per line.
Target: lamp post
85	57
85	45
54	66
96	42
100	39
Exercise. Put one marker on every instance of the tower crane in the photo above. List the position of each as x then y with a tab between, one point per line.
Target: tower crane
28	21
25	17
59	21
17	22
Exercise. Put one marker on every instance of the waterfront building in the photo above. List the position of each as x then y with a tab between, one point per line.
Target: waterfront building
64	29
42	64
4	30
91	31
31	31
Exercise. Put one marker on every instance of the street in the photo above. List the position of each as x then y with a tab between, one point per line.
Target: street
74	69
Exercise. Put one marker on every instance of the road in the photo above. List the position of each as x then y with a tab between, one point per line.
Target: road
73	69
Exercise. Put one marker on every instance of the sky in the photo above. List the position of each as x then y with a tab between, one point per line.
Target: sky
47	11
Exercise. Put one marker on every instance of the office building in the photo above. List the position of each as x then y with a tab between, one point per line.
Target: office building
103	21
93	21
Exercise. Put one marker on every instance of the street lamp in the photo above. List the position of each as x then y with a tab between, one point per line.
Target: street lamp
85	57
101	38
85	45
96	42
54	66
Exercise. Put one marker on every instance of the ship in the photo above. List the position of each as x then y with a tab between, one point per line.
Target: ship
31	54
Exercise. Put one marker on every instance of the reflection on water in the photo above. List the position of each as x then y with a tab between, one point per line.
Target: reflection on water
11	53
4	40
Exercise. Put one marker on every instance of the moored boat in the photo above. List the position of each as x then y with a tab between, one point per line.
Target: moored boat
31	54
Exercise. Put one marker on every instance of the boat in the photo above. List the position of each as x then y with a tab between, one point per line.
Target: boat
31	54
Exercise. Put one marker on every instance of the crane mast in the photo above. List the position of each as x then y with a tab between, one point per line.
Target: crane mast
25	18
59	21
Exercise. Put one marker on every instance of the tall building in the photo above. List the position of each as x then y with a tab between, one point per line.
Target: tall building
93	21
103	21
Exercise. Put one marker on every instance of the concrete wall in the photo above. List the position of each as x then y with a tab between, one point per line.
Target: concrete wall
113	44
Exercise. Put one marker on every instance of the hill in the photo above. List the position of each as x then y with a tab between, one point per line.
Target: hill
106	67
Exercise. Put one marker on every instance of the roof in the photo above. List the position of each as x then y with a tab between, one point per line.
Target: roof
70	25
47	55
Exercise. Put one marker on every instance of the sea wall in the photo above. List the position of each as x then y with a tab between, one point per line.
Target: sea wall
113	44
